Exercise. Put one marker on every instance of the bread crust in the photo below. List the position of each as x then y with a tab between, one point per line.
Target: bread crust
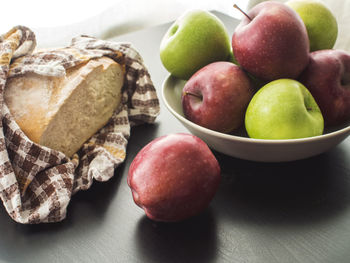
63	112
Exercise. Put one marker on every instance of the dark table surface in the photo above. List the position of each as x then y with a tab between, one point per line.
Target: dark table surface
263	212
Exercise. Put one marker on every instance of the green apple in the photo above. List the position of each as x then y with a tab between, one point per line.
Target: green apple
321	25
196	39
283	109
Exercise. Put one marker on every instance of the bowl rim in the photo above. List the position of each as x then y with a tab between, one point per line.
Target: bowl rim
241	138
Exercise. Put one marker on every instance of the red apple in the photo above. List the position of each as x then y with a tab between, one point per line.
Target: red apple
327	77
174	177
272	43
217	96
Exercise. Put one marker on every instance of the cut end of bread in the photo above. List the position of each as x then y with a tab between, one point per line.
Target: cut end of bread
63	113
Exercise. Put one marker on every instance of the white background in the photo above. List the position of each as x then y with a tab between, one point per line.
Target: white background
56	22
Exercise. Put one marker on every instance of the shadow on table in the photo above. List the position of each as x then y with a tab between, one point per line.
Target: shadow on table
86	214
88	207
195	238
94	201
279	194
29	242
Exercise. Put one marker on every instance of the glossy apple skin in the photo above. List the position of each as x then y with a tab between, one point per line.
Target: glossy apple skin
225	91
196	39
328	79
283	109
274	44
174	177
321	24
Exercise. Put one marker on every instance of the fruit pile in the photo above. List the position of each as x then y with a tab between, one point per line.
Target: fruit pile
269	80
279	77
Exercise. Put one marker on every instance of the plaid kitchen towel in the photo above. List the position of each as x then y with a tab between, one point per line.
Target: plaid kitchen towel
37	183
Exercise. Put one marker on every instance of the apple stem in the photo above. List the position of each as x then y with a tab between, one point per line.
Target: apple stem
193	94
244	13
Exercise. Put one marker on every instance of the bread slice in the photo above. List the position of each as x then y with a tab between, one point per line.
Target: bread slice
62	113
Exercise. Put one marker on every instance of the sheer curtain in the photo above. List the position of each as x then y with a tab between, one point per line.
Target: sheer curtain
56	22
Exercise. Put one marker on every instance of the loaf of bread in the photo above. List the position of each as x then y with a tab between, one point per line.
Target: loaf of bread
64	112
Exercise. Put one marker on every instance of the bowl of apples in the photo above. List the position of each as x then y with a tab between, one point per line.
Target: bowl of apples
266	96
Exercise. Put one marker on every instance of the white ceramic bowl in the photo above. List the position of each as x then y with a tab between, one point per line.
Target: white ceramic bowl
240	146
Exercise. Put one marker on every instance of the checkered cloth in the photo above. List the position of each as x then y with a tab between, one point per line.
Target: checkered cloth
37	183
